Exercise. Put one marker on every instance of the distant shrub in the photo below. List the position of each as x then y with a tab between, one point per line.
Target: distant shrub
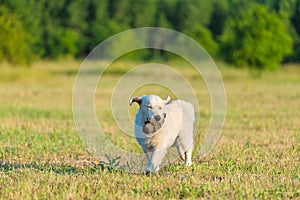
256	38
63	42
15	42
204	37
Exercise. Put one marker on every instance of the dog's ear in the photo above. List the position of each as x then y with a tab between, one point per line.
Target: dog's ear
135	99
166	100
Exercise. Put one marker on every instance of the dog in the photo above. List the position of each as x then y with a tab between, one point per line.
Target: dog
160	124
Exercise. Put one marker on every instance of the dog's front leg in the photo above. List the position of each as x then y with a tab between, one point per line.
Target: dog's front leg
156	158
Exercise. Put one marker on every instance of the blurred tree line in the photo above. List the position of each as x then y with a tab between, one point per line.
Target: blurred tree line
256	33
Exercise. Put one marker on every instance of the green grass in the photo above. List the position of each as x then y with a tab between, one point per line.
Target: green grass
42	157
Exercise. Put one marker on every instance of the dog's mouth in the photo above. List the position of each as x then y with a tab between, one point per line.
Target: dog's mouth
152	126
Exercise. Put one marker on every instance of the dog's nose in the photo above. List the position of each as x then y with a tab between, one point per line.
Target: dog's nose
157	117
147	121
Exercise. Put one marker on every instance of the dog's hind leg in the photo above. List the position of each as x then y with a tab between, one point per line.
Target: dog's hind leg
180	150
188	157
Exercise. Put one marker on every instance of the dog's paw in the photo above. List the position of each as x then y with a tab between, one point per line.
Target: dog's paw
151	170
188	163
147	173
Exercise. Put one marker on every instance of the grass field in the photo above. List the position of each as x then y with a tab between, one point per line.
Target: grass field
42	157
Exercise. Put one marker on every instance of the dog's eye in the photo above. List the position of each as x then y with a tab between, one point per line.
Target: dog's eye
160	108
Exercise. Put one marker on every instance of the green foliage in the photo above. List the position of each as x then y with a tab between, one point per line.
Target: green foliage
32	22
195	12
295	20
218	17
256	38
63	42
203	37
15	46
54	29
285	8
296	17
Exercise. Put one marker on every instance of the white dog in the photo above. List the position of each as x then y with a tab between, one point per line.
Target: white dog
160	125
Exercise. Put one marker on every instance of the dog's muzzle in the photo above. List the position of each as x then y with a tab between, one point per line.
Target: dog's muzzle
153	125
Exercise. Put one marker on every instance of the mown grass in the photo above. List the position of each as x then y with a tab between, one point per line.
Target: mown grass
42	157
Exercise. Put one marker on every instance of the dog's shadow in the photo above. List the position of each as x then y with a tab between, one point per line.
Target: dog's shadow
58	168
86	167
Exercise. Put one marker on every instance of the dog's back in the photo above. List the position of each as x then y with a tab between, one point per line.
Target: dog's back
187	118
186	109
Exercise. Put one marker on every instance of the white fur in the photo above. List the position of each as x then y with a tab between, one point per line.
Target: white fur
177	130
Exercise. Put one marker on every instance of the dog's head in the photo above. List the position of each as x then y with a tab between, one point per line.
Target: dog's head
153	112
